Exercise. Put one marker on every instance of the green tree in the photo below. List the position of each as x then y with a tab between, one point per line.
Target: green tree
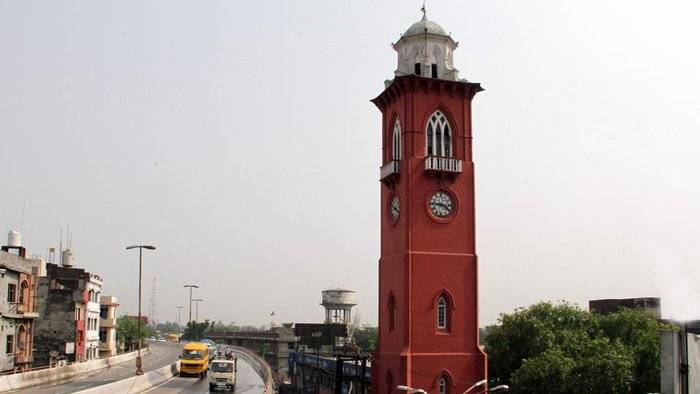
559	348
167	328
128	332
196	331
366	338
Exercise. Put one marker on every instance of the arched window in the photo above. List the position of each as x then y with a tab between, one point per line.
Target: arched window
442	386
23	292
442	314
391	306
439	136
396	141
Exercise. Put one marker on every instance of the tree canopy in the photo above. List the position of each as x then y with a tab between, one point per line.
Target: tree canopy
559	348
128	331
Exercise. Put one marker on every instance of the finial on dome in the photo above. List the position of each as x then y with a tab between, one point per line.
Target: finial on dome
425	17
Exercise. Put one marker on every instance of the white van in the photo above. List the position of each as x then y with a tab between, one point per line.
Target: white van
222	374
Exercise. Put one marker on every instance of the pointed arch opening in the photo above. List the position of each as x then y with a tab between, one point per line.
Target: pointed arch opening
396	141
444	383
439	135
443	305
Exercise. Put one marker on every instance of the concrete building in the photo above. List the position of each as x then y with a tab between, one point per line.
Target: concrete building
274	345
651	305
108	326
18	283
66	299
92	317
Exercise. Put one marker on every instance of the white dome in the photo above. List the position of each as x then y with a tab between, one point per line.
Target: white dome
424	26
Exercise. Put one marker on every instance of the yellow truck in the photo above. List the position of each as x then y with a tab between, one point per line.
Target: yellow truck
194	359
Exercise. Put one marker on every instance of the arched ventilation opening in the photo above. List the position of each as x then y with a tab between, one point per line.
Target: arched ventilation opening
439	136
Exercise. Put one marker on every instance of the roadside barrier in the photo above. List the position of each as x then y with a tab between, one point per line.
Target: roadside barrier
137	384
260	366
49	375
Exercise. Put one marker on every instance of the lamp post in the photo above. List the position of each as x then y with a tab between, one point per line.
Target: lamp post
139	371
179	308
196	306
411	390
475	385
191	287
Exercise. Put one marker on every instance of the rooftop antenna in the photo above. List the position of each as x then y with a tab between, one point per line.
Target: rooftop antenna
21	222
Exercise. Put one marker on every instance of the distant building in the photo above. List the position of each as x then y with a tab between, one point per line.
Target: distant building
92	317
651	305
108	326
18	284
69	314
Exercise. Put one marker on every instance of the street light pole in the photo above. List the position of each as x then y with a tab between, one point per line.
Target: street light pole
179	308
139	371
191	287
196	306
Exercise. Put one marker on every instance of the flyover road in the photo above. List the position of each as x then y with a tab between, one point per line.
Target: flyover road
161	354
247	381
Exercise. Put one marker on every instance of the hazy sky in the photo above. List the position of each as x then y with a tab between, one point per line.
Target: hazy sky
266	187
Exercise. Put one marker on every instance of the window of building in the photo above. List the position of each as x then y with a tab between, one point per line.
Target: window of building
103	335
442	386
23	292
10	344
103	312
439	136
11	292
396	141
416	68
442	314
433	70
391	306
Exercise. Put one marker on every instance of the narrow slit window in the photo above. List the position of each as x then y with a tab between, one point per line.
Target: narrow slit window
442	314
433	70
416	68
396	148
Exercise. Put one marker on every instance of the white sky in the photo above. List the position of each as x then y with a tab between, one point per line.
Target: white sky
268	149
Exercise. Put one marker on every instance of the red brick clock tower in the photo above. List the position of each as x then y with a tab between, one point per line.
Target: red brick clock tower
428	288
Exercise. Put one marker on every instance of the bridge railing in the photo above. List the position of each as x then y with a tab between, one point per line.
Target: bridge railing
260	366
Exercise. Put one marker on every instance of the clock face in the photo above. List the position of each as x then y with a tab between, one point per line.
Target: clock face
395	208
441	204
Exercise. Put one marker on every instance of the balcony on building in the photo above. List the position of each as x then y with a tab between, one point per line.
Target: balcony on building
444	166
107	323
389	172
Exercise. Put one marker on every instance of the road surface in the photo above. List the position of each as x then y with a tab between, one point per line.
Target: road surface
162	354
247	381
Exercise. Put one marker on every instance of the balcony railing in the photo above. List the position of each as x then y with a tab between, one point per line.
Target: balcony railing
390	169
443	164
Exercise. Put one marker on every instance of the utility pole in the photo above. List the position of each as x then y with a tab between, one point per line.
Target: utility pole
139	371
196	313
191	287
179	308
